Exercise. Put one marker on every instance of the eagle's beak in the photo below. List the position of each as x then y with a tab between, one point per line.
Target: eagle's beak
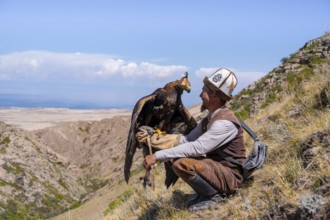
188	89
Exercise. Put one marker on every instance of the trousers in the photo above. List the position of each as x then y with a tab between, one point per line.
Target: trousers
224	179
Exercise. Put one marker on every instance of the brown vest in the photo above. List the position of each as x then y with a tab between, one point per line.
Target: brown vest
236	147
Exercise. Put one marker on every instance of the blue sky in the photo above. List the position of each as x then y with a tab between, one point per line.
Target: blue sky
103	54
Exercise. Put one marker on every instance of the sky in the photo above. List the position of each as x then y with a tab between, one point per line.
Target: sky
109	54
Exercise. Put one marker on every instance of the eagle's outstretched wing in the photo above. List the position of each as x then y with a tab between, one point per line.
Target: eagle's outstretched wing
139	115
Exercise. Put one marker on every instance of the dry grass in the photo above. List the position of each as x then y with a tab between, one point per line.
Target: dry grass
160	203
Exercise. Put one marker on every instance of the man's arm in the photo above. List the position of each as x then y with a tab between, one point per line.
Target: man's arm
150	160
220	133
193	135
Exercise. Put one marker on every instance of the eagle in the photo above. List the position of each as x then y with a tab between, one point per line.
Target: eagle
164	111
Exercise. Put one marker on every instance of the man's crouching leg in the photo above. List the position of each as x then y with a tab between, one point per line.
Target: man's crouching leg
188	169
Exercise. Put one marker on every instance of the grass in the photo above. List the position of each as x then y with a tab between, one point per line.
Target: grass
5	183
6	141
13	168
63	184
13	211
118	201
85	129
295	80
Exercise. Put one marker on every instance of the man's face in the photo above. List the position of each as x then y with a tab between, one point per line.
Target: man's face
206	96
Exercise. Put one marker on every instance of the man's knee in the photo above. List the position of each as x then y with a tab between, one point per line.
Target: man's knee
184	168
176	165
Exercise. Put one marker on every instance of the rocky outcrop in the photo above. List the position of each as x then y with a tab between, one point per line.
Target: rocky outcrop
291	74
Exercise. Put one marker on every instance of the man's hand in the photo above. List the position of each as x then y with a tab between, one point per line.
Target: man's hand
143	133
158	142
149	160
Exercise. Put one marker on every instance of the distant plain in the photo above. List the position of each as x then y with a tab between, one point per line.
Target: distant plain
39	118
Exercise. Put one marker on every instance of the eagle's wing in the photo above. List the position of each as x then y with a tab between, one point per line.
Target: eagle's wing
170	176
188	119
182	122
139	116
185	122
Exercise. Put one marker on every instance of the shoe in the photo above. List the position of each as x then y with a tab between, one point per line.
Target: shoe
218	198
193	200
205	194
203	202
200	202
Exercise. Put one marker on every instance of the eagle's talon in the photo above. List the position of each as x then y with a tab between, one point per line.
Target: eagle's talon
159	132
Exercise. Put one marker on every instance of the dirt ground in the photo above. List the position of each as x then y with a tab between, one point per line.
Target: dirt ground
39	118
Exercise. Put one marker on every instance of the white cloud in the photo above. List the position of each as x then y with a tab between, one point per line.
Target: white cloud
205	71
133	69
92	77
38	65
110	66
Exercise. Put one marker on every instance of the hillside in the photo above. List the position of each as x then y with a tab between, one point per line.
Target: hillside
33	178
290	110
78	165
45	172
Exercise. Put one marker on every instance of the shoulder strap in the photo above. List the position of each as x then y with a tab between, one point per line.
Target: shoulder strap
248	129
229	158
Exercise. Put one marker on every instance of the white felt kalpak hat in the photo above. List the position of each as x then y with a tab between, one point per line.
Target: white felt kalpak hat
223	82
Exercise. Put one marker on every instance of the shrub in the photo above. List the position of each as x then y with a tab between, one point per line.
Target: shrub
271	98
5	141
284	59
314	59
295	79
244	113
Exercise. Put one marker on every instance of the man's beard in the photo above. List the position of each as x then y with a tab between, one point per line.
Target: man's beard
203	108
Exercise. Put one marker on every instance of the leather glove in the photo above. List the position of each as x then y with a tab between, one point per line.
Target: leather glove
164	141
143	133
158	142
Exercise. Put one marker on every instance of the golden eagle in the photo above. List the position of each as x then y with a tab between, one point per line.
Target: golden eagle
163	110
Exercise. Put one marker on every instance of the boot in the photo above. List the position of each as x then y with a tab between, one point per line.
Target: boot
205	193
193	199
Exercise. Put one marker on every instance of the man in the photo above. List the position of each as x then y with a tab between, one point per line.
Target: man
196	157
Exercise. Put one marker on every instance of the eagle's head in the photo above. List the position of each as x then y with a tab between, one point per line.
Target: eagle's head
184	83
179	85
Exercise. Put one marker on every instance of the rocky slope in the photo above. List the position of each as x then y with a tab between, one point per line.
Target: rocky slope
33	178
294	71
44	172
